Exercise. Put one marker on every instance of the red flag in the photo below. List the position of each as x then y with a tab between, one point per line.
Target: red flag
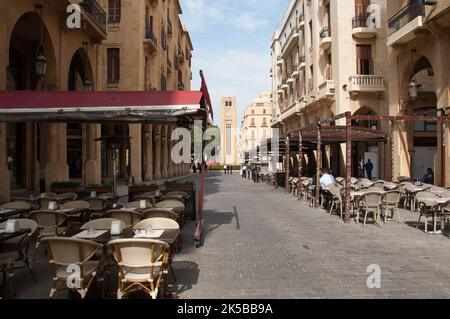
204	90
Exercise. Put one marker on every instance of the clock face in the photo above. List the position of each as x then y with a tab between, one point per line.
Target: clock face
228	114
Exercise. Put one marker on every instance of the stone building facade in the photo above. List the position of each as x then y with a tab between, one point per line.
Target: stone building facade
113	50
228	131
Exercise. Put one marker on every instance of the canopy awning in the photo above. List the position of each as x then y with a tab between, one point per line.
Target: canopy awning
139	107
336	134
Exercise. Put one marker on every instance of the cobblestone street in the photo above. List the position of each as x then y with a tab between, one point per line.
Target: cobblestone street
261	243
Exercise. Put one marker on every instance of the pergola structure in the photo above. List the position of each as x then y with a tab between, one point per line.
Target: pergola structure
325	132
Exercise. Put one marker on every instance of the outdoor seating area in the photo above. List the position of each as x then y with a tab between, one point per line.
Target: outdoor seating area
377	201
104	240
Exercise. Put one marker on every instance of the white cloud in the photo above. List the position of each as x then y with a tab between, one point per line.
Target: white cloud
248	21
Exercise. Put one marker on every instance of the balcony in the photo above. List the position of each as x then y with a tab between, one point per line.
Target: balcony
326	89
180	56
363	28
290	81
325	38
295	72
302	64
280	90
292	110
290	43
95	17
367	84
404	24
150	40
280	62
301	22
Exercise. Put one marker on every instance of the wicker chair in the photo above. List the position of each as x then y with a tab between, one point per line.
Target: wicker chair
137	204
175	205
161	213
390	203
17	250
150	199
336	199
425	207
50	223
67	197
97	207
44	203
129	217
371	203
66	252
143	265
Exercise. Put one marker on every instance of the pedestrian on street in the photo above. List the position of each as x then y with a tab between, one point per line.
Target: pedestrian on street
225	169
194	168
369	169
361	168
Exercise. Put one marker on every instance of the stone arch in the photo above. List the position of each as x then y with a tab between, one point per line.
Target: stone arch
80	71
24	42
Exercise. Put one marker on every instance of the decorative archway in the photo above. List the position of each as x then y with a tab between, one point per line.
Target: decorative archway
23	142
421	136
80	72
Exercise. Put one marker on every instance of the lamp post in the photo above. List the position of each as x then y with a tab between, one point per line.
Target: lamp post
40	60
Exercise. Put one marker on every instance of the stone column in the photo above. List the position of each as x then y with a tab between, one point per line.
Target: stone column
171	163
157	163
136	152
56	168
148	153
93	164
5	186
165	151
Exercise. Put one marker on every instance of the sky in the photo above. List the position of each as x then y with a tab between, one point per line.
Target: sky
232	40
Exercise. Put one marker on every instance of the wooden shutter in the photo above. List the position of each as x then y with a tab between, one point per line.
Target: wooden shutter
113	66
363	59
115	11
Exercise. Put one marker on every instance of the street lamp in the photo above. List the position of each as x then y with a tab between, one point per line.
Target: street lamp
41	60
413	90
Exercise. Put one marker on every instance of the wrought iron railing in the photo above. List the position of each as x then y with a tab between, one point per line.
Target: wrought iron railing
361	21
95	12
288	39
407	14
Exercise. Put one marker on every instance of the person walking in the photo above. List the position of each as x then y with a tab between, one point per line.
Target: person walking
361	168
231	169
369	169
225	169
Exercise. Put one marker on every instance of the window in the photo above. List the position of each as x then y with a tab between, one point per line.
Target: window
310	39
253	112
363	59
329	68
252	123
114	7
264	112
113	56
264	122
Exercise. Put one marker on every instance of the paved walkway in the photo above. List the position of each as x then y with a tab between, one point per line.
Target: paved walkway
261	243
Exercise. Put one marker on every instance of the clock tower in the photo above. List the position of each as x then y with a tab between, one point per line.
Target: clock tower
228	131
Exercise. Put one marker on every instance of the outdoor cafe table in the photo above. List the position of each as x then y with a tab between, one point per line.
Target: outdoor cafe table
436	204
169	236
7	236
5	213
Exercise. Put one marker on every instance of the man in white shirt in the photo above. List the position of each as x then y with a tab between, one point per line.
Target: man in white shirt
326	179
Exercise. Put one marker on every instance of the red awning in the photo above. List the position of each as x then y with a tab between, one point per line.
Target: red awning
17	106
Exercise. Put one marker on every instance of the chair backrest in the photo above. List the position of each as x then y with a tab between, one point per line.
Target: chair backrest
16	205
45	202
392	197
372	199
137	204
157	223
379	185
129	217
169	203
48	195
68	251
77	204
178	198
97	202
140	253
102	223
67	197
161	212
150	199
48	218
178	193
